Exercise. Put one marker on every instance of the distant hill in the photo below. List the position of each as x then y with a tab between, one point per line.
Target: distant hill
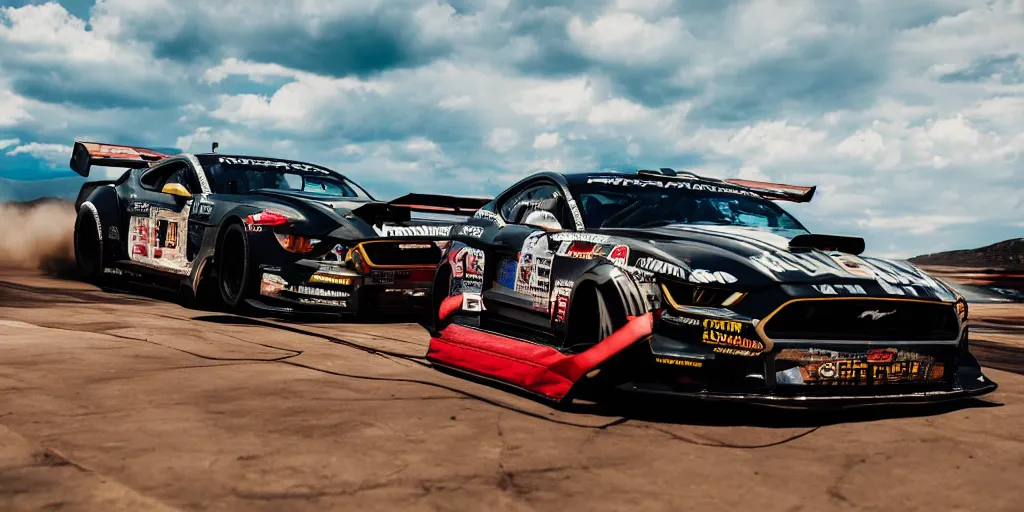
27	190
1008	254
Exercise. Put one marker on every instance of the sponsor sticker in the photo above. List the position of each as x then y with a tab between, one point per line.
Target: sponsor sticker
386	230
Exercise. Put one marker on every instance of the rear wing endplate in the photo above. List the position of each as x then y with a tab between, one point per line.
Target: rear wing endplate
777	191
87	154
435	203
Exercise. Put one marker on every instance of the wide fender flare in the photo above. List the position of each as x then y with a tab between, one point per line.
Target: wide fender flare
105	205
616	285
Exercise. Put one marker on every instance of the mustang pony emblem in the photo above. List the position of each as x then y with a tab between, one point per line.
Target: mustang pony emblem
875	314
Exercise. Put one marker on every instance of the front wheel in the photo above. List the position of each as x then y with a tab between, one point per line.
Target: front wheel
593	318
233	269
88	246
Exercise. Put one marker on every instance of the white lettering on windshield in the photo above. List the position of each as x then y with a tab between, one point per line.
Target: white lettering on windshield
257	162
682	185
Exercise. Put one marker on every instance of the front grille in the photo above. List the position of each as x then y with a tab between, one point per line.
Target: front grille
863	320
408	253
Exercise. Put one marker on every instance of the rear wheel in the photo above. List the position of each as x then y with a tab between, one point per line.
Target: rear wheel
233	273
88	246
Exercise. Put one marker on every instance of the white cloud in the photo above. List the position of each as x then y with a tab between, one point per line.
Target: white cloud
5	143
616	111
629	39
12	109
764	142
901	129
502	139
53	153
546	140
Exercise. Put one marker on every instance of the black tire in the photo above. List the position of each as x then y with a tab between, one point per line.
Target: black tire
234	275
593	318
88	247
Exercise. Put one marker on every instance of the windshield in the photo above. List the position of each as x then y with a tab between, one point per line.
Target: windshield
235	175
641	203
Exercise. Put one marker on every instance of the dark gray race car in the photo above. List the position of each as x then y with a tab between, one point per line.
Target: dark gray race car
273	234
672	283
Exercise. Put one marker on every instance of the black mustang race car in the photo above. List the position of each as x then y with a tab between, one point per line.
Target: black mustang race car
671	283
273	234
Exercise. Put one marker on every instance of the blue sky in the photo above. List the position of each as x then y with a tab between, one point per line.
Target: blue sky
907	114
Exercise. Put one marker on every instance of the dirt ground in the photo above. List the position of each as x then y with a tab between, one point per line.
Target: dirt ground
116	401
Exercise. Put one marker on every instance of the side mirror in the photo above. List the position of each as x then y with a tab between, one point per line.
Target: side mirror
176	189
543	219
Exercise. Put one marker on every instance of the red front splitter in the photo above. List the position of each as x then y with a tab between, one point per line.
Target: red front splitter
537	368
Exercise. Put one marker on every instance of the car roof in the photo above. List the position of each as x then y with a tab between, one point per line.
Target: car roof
664	174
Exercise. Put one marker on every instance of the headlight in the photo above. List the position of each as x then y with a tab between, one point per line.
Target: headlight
356	257
961	308
679	295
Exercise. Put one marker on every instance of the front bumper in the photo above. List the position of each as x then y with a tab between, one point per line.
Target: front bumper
969	387
335	289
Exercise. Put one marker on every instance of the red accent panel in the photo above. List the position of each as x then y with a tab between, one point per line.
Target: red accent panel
537	368
449	305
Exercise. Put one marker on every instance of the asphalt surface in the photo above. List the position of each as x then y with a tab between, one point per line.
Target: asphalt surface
117	401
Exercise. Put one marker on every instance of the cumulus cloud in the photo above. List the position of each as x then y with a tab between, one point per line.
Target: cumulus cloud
52	153
905	114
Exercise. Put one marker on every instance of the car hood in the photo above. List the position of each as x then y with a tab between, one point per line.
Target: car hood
752	258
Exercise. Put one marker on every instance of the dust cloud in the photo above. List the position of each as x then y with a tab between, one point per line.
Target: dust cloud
37	235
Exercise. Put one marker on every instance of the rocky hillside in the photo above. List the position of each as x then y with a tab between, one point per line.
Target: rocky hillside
1006	255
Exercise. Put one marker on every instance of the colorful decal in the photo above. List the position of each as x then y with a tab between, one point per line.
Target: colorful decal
679	362
272	284
619	255
470	231
533	277
386	230
155	240
560	300
732	351
317	301
577	250
680	320
729	334
877	366
574	236
138	208
852	264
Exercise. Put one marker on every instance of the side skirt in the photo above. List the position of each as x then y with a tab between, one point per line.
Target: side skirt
536	368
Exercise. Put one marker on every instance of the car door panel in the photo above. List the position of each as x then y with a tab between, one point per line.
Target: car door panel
158	227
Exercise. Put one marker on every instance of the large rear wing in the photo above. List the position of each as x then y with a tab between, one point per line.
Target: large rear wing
453	205
777	191
87	154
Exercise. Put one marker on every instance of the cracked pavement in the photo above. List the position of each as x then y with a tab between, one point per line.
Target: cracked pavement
117	401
